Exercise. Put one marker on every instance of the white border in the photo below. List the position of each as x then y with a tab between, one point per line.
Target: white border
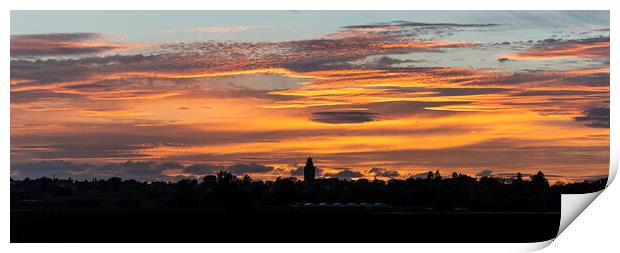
310	5
584	234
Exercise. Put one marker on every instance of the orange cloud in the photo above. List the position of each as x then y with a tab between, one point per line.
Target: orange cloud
590	48
64	44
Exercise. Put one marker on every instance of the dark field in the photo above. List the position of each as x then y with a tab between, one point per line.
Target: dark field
286	225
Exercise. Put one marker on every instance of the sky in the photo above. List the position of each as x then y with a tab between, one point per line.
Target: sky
164	95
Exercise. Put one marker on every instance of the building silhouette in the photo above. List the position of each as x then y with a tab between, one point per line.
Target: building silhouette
309	172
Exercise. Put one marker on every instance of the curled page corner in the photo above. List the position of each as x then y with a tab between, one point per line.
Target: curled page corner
573	205
535	246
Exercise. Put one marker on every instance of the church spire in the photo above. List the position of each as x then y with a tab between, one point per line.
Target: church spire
309	162
309	172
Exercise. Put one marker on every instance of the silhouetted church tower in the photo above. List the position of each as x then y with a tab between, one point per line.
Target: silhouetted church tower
309	172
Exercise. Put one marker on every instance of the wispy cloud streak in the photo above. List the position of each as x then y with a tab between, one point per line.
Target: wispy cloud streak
554	49
55	44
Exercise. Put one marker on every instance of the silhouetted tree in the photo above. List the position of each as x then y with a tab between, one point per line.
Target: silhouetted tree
539	179
437	175
185	194
225	191
430	176
518	179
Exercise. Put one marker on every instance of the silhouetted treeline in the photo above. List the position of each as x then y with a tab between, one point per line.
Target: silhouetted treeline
227	192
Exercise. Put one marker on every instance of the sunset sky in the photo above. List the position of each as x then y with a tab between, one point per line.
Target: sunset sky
162	95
